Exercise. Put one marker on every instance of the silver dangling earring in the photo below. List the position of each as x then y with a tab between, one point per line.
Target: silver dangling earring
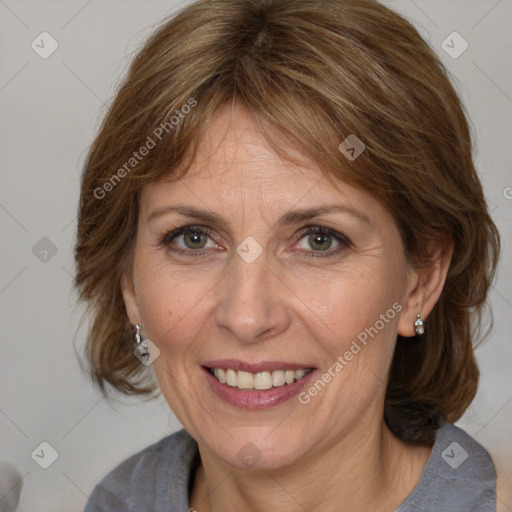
141	346
419	326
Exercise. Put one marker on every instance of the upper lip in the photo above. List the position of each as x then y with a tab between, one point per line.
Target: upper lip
261	366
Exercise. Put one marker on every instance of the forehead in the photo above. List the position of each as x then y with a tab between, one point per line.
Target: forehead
234	148
236	167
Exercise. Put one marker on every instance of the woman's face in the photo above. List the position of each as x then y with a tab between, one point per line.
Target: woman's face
279	271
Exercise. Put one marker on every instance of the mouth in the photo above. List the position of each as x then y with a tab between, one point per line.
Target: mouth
256	386
260	381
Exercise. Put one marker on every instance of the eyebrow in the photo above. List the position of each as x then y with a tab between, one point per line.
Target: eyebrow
291	217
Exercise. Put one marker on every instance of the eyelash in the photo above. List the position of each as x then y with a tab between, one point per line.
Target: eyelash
310	230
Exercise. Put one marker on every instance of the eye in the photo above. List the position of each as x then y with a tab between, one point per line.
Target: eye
189	239
318	239
196	241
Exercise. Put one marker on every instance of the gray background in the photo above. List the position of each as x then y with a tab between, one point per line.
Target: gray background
51	109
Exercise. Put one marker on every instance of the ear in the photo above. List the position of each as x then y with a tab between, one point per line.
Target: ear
425	287
130	299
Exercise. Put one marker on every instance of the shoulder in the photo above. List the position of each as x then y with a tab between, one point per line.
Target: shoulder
158	473
460	450
459	476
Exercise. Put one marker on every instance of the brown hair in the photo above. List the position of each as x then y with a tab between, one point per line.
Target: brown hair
315	71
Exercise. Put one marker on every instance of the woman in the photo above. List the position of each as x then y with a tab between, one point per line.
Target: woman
282	215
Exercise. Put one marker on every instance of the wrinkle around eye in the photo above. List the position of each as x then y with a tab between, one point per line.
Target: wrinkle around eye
174	242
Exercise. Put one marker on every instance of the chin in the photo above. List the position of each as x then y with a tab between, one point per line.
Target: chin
255	448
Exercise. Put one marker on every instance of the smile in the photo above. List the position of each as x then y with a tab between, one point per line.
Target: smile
259	380
256	385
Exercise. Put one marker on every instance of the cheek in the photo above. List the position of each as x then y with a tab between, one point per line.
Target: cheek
354	319
162	298
345	303
170	303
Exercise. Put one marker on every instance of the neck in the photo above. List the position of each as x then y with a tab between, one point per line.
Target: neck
368	469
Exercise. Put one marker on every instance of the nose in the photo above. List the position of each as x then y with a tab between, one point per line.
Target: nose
251	303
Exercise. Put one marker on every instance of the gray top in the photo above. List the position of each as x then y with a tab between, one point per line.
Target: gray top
459	477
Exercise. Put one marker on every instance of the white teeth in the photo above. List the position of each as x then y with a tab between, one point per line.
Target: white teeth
221	375
260	380
278	378
245	380
289	376
299	374
231	379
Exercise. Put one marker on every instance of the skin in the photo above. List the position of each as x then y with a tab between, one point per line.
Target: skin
335	452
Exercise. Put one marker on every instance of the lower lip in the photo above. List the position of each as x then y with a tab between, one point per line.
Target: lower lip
249	399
